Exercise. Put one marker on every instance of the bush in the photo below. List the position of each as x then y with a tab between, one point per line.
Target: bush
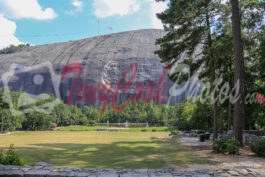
143	130
13	49
226	145
53	125
201	131
1	157
154	130
92	122
11	157
173	132
258	147
84	121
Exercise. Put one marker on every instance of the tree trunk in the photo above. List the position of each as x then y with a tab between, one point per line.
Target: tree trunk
212	63
230	104
221	119
2	124
239	112
229	115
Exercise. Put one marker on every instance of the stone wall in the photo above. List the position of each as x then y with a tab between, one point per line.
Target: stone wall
48	170
255	132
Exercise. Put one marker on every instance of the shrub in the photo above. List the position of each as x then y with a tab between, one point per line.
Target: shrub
173	132
258	147
226	145
11	157
154	130
92	123
201	131
84	121
143	130
13	49
53	125
1	157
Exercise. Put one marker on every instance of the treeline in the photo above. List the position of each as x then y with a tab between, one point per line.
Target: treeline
13	48
223	43
184	116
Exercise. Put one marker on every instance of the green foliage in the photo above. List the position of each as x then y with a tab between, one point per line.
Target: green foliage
84	121
258	147
53	125
37	121
11	157
13	49
184	116
201	131
173	132
92	122
207	24
2	158
226	145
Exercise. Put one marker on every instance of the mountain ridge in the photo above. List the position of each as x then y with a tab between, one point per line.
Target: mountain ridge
102	59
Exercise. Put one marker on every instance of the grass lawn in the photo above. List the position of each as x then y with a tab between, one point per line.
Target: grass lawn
89	149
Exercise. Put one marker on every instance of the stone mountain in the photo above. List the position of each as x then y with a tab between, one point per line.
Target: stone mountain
93	71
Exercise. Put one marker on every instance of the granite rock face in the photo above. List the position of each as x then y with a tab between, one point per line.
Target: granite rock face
104	69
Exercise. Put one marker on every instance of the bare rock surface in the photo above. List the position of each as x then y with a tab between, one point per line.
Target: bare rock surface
104	60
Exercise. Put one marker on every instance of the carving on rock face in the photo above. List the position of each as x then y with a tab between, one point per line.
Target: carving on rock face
148	70
119	79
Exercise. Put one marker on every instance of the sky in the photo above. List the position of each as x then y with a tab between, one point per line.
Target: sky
37	22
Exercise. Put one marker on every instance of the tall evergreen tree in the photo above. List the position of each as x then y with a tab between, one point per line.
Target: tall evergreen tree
239	113
190	25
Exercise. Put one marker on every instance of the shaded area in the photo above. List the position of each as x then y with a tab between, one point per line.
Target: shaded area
118	155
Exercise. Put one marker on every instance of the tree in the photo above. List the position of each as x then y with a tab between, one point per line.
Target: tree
4	110
190	25
239	110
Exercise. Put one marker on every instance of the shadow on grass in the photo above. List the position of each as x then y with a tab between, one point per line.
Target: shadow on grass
133	155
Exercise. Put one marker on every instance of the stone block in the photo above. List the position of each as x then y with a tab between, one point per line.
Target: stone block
36	173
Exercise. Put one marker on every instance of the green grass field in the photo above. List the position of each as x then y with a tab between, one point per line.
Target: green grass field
90	149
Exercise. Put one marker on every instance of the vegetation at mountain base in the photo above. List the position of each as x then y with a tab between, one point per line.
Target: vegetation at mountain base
13	48
184	116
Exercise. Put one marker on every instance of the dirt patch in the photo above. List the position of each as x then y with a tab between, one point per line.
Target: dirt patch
246	159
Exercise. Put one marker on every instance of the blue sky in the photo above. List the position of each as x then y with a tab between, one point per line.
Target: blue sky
48	21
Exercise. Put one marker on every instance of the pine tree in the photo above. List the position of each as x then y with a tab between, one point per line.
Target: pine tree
189	25
239	113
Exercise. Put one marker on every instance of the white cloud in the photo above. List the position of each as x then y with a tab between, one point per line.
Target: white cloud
78	7
7	32
157	7
107	8
17	9
78	4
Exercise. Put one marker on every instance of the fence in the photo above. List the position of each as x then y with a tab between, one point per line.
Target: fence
123	124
